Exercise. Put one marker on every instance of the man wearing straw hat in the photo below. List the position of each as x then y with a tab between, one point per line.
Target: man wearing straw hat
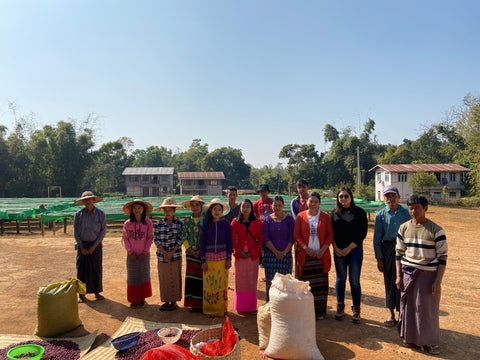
89	229
167	238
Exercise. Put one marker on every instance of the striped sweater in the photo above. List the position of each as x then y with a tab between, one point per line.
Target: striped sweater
422	246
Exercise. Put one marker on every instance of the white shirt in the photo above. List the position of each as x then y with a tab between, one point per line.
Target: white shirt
313	242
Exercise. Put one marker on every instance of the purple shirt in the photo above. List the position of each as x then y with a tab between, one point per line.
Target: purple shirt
280	233
216	237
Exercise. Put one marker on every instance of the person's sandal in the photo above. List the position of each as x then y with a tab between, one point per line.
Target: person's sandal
82	299
433	349
164	307
390	322
99	297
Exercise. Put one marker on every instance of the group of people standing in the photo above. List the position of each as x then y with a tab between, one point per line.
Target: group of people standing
407	247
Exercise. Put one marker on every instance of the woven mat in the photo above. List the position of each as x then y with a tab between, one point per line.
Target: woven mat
106	351
83	342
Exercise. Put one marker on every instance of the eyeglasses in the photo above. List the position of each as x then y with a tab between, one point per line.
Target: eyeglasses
343	196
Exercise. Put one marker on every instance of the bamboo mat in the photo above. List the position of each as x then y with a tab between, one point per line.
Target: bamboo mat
83	342
106	351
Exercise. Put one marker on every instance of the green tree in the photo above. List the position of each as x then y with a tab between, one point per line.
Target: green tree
153	156
339	164
60	157
191	160
421	180
4	161
20	183
231	162
105	173
468	127
303	162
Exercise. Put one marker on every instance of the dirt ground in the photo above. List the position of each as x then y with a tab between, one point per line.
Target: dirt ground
29	260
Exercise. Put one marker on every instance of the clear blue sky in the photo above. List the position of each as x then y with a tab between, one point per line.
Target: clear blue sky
250	74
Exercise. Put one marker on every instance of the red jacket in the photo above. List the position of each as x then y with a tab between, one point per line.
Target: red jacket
240	238
301	234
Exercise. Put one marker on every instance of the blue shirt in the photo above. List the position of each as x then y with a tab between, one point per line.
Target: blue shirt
387	223
89	228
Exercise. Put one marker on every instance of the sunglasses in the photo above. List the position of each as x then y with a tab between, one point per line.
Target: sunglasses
344	196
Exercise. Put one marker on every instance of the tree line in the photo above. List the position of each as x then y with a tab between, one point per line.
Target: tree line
66	156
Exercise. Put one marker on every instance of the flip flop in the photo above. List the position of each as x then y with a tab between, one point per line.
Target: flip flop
390	322
165	307
172	307
99	297
433	349
82	299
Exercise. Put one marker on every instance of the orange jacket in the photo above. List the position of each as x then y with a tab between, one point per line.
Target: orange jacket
301	234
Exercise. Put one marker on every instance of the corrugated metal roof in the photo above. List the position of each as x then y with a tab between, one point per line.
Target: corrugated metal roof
200	175
148	171
416	167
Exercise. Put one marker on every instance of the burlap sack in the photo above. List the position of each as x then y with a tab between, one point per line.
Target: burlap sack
57	307
293	334
264	324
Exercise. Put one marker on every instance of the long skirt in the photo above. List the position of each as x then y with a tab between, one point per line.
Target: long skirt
419	311
215	288
313	272
273	266
90	270
139	286
170	280
193	282
246	276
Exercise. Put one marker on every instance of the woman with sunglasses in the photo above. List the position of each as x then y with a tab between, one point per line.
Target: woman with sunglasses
350	227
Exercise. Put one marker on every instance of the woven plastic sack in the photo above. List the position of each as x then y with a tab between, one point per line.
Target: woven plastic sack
293	334
264	324
57	307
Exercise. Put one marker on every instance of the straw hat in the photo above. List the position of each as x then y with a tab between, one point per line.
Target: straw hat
168	202
88	195
127	208
187	203
215	201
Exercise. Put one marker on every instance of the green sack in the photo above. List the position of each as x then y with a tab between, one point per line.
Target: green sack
57	307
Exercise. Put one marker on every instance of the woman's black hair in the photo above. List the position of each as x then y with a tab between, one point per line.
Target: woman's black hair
279	198
338	207
208	213
251	216
142	218
315	194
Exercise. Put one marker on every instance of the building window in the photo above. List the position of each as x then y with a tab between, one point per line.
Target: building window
453	177
379	176
402	177
453	194
145	178
387	176
133	178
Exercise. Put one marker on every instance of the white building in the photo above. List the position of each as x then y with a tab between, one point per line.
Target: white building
148	181
451	179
